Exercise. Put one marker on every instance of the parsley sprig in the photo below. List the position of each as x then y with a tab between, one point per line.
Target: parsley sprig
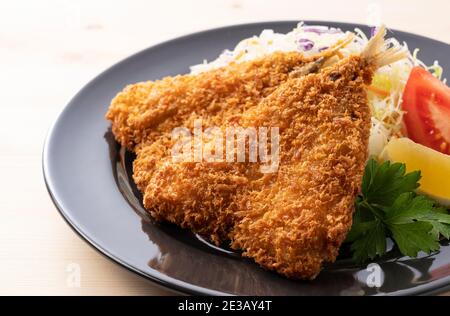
388	207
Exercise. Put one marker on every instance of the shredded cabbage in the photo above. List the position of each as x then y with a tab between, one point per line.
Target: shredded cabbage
385	92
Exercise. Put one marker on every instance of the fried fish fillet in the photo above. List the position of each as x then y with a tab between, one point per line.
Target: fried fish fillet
292	220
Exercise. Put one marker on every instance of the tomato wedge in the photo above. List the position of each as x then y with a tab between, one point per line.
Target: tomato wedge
426	101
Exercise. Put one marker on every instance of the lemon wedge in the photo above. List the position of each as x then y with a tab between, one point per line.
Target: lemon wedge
435	166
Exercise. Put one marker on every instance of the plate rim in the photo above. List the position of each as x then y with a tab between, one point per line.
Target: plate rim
157	278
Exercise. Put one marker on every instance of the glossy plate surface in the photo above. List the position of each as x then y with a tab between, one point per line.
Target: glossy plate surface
88	177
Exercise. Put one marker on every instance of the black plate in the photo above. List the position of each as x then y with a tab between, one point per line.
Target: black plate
88	177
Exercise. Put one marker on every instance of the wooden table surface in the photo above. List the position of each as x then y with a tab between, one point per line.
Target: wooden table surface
50	49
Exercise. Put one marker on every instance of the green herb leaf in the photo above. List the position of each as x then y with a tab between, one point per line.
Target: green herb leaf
383	183
359	230
371	241
407	208
414	237
440	229
389	207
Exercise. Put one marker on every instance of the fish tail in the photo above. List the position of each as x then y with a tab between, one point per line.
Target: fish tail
378	54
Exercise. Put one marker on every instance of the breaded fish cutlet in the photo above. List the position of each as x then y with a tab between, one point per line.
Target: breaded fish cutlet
292	220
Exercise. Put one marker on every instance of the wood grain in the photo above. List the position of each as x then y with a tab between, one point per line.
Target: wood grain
50	49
